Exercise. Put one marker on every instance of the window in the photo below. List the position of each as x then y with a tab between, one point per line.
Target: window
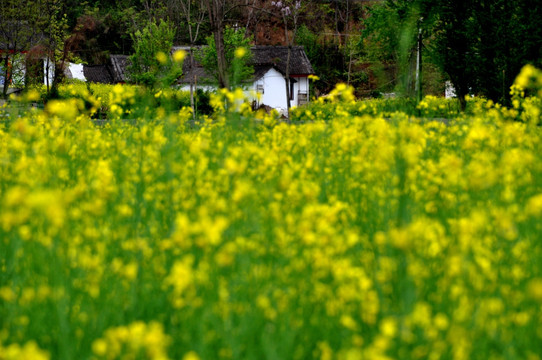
302	98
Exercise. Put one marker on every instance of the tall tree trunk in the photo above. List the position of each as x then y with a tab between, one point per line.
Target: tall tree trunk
58	76
287	78
216	20
223	80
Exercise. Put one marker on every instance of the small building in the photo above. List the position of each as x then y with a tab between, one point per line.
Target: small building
117	67
97	74
114	72
269	78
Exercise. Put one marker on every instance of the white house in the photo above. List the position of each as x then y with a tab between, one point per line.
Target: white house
269	79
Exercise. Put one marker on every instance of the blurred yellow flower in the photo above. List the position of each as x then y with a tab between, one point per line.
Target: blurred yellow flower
161	57
534	289
191	355
179	56
29	351
240	52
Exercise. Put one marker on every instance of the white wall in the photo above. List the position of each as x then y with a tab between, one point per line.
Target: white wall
274	90
77	71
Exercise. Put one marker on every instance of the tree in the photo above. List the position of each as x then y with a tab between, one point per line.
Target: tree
217	12
54	25
18	32
150	63
479	45
238	60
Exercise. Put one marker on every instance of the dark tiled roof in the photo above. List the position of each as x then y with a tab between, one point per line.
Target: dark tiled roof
261	70
197	72
186	48
278	56
263	59
118	67
97	74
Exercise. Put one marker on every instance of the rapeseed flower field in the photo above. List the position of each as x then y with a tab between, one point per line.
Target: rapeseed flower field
353	234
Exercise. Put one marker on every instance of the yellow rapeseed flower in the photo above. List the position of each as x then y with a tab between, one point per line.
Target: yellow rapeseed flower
29	351
240	52
161	57
179	56
388	327
191	355
534	289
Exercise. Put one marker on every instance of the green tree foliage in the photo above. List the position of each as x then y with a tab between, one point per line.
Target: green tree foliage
149	65
238	67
